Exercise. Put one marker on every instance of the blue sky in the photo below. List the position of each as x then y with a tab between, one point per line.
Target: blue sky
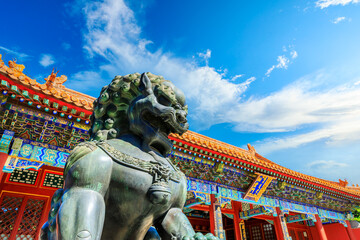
283	76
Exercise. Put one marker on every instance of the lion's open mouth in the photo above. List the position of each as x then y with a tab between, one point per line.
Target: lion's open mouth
165	123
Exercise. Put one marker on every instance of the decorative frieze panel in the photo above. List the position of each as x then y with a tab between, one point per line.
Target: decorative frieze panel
26	154
225	193
23	176
53	180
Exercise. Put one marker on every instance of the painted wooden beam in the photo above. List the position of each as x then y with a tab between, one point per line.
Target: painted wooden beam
256	212
300	217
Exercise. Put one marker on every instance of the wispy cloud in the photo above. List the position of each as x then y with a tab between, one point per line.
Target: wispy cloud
206	56
112	33
19	55
46	60
338	19
327	3
293	54
86	80
325	165
282	62
335	112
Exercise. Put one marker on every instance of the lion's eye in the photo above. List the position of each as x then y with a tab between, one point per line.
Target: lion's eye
164	101
177	106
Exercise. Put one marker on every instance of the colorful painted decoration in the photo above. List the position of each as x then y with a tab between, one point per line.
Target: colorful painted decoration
257	211
219	229
14	162
26	154
258	187
300	217
284	227
242	230
5	141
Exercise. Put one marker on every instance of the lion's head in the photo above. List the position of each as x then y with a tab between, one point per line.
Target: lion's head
146	106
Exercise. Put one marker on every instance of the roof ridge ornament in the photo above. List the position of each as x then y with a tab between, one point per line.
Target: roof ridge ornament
52	81
251	150
16	69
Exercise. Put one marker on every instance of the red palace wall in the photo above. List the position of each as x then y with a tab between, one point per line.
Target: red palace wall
357	233
25	206
334	231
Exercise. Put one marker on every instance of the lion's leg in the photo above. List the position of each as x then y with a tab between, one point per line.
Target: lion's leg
82	211
175	225
81	215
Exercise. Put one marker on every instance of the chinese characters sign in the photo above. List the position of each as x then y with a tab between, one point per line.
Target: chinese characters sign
258	187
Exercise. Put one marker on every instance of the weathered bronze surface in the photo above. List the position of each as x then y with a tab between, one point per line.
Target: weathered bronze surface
120	183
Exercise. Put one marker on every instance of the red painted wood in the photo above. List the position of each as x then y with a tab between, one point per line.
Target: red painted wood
340	193
278	229
356	233
350	231
212	214
236	206
206	208
27	191
3	158
52	99
320	228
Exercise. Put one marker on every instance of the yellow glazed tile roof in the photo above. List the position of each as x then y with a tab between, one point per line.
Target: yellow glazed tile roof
256	159
53	86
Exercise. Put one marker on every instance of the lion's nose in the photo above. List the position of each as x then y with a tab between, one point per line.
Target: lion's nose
181	116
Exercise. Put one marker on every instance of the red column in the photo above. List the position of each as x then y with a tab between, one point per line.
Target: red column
277	225
350	231
236	206
320	228
3	158
212	214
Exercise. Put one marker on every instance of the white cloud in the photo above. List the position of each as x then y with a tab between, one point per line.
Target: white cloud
112	32
327	3
236	77
206	56
293	54
21	56
283	62
339	19
86	80
325	165
270	70
335	112
46	60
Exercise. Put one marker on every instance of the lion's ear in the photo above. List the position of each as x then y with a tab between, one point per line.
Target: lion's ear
145	85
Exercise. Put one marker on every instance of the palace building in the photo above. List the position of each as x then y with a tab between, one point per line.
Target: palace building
232	192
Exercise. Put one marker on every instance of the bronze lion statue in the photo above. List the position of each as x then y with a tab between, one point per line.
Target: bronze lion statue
119	184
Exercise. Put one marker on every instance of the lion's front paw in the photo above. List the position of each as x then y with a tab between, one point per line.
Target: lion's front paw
200	236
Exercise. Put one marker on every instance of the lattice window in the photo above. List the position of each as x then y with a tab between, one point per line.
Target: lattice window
269	232
53	180
292	233
302	235
256	232
247	231
9	210
30	220
23	176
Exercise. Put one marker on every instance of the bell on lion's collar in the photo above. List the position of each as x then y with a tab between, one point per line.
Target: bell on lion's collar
159	193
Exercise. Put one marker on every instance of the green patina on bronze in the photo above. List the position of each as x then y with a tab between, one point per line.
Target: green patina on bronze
120	185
